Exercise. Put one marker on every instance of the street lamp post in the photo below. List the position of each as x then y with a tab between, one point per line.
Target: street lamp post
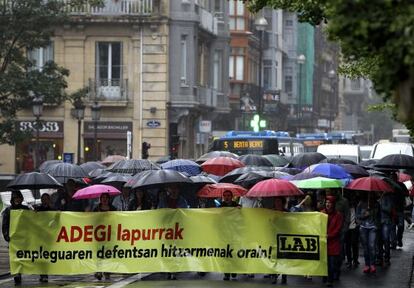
301	60
79	114
331	75
37	109
261	25
96	116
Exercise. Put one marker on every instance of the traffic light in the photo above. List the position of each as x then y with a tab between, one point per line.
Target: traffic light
256	123
145	147
174	144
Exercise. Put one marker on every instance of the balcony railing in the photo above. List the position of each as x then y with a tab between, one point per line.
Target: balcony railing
108	89
114	8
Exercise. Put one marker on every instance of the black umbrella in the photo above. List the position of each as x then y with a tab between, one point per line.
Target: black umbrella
155	178
133	166
338	161
116	180
34	180
251	178
277	160
291	171
233	175
396	161
368	163
305	175
215	154
64	171
45	165
255	160
105	174
90	166
304	160
200	179
355	170
97	172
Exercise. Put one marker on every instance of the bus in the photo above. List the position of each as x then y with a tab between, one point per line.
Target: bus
311	141
260	143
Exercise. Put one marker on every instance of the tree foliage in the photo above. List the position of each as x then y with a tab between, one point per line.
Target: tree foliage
27	25
376	38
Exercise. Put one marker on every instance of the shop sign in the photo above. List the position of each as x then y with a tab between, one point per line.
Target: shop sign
44	126
107	127
205	126
68	157
153	124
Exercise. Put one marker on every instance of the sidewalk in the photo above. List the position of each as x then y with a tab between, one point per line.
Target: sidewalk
4	256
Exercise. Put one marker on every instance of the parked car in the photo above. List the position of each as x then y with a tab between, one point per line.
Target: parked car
345	151
365	151
381	150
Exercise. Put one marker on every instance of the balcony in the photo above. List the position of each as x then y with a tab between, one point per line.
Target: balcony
114	8
207	21
109	91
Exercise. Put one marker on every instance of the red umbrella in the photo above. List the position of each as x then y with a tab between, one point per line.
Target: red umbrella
221	165
402	177
216	190
371	184
274	188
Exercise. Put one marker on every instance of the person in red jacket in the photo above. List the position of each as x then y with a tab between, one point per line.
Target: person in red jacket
335	221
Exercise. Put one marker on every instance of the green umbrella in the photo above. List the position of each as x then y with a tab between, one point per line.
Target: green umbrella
318	183
277	160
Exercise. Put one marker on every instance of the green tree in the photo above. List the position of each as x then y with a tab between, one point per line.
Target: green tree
27	25
376	39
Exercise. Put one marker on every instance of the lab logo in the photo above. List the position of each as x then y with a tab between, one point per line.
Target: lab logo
295	246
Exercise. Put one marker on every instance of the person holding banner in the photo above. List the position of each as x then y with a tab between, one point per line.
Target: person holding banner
173	200
16	204
367	215
335	222
46	205
279	205
104	205
227	201
125	201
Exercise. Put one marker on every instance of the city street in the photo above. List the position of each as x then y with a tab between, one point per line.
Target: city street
399	274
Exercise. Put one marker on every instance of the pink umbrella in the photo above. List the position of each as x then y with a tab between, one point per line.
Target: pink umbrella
274	188
95	191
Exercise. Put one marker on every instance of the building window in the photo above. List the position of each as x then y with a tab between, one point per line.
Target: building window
289	22
236	64
109	61
355	84
267	77
39	56
218	67
109	69
203	72
183	69
237	15
288	84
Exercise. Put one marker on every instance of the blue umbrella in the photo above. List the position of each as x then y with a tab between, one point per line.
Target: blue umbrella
329	170
183	165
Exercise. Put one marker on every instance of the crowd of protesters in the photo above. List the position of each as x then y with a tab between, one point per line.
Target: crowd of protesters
373	221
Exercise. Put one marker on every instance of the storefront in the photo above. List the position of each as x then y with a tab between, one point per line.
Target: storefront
50	146
111	139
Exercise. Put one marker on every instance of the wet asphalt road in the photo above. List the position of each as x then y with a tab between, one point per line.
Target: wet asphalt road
397	275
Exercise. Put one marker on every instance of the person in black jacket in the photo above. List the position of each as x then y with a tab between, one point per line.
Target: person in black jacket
227	201
46	205
16	204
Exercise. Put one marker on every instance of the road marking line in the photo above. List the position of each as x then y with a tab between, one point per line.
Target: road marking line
128	280
6	280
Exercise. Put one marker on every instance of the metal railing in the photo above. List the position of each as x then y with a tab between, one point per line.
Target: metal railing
108	89
113	8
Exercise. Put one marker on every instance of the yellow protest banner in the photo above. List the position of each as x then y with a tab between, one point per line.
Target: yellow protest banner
229	240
